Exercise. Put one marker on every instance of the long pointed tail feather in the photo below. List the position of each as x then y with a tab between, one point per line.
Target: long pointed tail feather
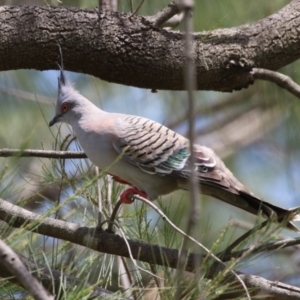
296	212
293	213
282	215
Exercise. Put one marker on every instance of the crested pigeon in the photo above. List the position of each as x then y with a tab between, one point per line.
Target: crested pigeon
153	159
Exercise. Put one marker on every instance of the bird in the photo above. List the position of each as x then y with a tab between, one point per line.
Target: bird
151	158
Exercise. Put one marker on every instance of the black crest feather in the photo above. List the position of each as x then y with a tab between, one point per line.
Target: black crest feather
62	77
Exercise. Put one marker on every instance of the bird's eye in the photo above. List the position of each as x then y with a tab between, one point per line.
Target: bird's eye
65	107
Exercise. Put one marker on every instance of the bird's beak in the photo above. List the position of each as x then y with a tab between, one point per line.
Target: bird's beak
54	120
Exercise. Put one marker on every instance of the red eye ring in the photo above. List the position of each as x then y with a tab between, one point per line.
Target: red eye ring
65	107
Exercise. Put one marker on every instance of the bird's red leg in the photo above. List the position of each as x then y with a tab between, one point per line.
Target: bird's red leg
126	196
120	180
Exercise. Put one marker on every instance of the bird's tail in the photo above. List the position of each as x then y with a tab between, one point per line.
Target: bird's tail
286	216
293	214
296	217
282	215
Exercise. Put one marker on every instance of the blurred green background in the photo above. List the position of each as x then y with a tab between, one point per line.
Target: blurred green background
256	131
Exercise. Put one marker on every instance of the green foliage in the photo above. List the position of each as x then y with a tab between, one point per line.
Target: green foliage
67	189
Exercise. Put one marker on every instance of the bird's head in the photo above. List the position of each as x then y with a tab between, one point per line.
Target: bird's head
71	105
68	100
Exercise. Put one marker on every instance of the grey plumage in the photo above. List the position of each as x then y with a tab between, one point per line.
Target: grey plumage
155	159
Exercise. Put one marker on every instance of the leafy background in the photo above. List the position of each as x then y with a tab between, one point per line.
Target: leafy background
256	132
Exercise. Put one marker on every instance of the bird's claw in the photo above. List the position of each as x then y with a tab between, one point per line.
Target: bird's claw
127	196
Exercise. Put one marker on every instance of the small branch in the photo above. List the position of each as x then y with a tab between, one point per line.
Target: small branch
166	14
137	9
108	5
280	79
243	238
125	277
190	84
174	21
113	216
131	6
262	248
51	278
218	261
99	198
41	153
11	262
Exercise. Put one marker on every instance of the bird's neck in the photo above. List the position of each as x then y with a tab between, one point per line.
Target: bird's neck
86	112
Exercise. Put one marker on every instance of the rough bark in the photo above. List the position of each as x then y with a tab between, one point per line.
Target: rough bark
130	51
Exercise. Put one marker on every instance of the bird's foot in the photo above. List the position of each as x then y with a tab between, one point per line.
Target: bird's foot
127	195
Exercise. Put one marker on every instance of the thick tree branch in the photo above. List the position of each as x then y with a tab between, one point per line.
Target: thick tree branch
130	51
113	244
10	261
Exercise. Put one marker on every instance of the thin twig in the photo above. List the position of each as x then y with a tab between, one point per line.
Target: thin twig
63	178
137	9
113	216
5	152
109	187
125	277
124	273
245	225
243	238
153	270
190	84
262	248
165	218
12	262
131	256
108	4
131	6
55	280
129	250
167	14
282	80
99	196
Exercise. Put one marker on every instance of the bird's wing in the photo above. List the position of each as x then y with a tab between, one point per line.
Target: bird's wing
150	146
157	149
